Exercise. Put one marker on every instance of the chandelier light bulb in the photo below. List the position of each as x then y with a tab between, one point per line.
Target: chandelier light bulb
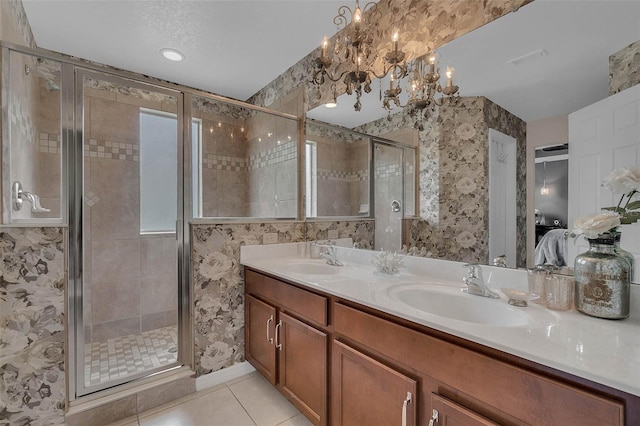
357	15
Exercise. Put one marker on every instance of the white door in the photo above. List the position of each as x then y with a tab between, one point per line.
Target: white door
502	196
602	137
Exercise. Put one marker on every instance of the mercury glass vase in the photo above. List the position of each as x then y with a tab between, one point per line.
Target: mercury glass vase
602	278
622	252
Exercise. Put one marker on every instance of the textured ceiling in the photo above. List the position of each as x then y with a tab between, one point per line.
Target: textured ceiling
233	48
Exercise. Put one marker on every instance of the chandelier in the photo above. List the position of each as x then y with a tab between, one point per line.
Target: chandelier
354	56
425	91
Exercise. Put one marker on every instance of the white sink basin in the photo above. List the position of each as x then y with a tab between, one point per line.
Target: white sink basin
310	268
454	304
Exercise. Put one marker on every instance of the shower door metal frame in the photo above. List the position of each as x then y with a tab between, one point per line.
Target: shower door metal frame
76	383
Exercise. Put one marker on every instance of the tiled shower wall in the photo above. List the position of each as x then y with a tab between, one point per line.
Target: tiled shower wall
273	166
34	119
224	159
343	171
136	272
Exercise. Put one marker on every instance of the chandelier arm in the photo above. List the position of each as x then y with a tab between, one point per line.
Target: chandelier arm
334	78
341	18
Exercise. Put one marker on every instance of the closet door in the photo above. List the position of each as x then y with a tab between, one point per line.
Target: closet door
603	137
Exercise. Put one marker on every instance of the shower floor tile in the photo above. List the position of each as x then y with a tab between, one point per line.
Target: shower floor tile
128	355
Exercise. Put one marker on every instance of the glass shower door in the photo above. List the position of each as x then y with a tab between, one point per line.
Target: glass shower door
389	195
128	208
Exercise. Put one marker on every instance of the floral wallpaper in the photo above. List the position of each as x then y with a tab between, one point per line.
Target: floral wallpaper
218	280
360	231
624	68
32	320
453	180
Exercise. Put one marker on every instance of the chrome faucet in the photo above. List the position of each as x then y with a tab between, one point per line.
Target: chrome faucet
475	283
330	254
500	261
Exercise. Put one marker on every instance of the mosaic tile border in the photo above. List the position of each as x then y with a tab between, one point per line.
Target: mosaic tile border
388	170
224	162
343	175
281	153
112	150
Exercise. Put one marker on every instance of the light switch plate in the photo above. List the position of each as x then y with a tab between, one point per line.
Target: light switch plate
270	238
333	234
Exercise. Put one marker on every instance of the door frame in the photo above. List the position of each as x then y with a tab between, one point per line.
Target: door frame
75	258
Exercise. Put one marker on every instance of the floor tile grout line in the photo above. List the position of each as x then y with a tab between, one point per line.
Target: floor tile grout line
241	404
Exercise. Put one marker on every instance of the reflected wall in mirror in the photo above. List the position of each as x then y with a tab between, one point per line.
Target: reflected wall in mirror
454	178
33	156
337	171
247	161
573	71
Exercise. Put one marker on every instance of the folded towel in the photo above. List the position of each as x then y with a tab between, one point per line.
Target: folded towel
552	248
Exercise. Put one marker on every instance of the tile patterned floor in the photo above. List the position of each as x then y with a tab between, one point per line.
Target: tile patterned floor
246	401
124	356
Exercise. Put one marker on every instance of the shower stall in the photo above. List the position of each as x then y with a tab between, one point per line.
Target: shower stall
127	163
394	195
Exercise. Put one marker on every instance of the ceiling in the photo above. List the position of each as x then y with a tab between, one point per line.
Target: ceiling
234	48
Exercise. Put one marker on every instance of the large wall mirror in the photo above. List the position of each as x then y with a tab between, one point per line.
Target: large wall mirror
543	62
344	167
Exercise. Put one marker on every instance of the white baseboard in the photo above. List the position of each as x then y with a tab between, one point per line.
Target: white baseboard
224	375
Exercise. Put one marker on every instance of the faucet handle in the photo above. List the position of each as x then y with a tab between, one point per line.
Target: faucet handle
474	270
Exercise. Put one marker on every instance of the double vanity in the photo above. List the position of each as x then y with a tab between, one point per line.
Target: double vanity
351	346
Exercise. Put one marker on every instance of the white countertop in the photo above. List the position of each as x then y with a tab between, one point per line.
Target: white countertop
604	351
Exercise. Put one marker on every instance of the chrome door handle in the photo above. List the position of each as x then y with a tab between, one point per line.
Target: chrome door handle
406	402
269	338
278	344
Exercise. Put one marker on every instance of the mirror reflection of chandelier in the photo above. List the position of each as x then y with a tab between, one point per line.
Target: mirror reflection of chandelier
425	91
353	57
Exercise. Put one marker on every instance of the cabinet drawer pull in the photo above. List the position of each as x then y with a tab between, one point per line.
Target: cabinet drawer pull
278	344
434	418
269	338
404	409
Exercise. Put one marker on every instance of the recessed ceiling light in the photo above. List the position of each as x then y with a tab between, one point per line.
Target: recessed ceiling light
172	54
331	104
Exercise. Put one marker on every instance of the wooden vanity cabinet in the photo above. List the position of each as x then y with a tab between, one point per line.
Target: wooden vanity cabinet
367	392
286	349
482	385
319	348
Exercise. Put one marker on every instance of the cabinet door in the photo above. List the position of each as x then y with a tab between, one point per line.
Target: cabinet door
303	367
448	413
259	337
366	392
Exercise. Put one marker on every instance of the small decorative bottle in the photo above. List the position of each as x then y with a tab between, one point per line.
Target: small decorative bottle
602	279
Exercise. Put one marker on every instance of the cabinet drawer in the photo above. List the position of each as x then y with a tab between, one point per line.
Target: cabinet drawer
493	384
289	298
